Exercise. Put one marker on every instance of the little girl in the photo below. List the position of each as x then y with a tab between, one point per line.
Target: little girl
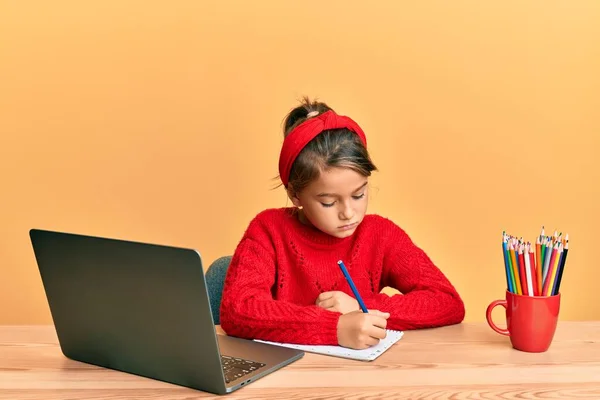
284	283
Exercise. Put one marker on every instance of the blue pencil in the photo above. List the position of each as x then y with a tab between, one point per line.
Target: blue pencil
354	290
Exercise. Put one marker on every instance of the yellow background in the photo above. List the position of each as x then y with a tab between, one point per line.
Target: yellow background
161	122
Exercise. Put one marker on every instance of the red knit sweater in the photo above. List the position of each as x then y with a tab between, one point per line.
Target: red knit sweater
281	265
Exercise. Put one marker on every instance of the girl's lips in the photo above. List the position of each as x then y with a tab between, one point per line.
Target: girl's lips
349	226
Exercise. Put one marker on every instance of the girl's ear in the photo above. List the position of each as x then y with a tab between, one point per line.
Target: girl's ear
296	202
294	198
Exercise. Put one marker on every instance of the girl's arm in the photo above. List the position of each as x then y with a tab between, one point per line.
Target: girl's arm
428	298
248	309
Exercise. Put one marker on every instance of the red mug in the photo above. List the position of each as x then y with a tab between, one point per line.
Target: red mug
530	320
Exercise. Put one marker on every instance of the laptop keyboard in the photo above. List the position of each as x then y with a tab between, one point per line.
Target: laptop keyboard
235	368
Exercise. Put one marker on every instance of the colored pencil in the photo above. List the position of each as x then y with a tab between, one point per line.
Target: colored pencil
526	274
506	271
528	271
542	258
563	260
515	266
513	281
536	291
538	269
552	272
553	253
547	260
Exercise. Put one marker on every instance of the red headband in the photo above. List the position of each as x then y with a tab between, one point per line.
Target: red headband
307	131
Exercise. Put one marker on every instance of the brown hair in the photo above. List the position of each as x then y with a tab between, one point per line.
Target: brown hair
331	148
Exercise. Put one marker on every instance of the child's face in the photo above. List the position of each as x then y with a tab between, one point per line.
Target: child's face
336	202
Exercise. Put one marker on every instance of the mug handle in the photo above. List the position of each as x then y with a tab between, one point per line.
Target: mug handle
488	316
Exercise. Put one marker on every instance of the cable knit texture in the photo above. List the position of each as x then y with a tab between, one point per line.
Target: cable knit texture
280	267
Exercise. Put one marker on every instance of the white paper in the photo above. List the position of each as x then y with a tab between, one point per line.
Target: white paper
368	354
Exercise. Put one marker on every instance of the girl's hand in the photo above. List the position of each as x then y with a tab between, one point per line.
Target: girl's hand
337	301
360	330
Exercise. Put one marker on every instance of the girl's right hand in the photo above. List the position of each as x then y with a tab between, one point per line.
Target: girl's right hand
359	330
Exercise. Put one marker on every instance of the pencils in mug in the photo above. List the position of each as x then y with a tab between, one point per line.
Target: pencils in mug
354	290
535	268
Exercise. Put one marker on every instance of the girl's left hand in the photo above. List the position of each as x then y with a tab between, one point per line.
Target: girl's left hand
337	301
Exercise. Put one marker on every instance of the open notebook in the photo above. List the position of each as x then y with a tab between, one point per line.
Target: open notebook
338	351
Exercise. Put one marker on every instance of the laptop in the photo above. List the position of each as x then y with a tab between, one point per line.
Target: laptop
144	309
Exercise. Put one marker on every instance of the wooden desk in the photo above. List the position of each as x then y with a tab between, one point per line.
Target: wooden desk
467	361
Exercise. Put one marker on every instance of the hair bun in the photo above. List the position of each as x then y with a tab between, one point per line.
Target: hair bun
301	113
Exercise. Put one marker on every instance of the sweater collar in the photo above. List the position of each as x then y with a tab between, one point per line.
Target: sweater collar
312	234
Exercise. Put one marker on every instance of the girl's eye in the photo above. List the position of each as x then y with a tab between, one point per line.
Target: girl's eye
360	196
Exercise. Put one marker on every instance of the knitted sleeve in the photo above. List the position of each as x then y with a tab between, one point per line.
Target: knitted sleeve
248	309
427	298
